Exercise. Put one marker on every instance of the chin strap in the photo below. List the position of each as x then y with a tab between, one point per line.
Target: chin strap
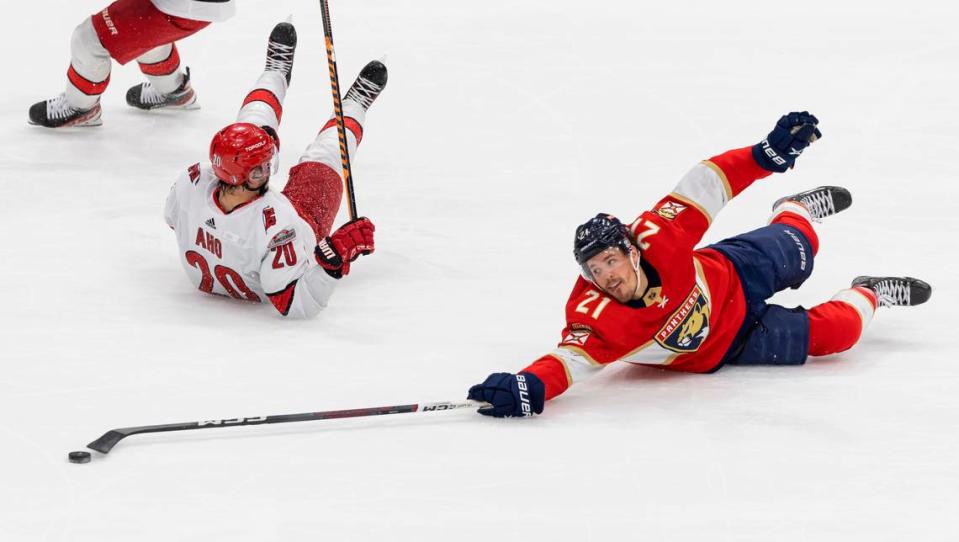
639	278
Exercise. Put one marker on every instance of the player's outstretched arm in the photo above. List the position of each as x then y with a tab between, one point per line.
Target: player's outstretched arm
712	183
525	393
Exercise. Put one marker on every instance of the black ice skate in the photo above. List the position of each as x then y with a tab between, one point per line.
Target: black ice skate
369	84
821	202
145	96
58	113
896	291
280	50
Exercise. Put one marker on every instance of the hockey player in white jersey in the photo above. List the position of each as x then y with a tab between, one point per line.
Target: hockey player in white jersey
237	236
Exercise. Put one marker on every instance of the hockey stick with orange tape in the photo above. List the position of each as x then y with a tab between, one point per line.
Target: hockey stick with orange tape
338	110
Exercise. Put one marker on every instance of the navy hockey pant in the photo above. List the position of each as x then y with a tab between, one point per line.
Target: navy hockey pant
769	260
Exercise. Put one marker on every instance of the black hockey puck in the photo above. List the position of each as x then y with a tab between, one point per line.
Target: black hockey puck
79	457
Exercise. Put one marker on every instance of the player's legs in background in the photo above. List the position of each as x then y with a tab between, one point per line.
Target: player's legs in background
123	31
315	185
87	78
167	85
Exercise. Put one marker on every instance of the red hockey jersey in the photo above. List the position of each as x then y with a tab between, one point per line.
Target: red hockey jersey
690	314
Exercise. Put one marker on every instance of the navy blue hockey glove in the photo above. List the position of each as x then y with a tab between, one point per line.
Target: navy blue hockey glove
510	395
793	133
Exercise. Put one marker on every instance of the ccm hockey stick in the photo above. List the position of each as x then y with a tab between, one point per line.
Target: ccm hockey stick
338	109
110	439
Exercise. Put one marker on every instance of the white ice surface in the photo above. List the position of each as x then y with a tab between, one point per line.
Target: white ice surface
504	125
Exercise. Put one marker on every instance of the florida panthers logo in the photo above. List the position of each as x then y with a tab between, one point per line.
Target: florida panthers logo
688	327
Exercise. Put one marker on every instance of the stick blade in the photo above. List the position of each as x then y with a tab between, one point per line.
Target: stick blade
106	443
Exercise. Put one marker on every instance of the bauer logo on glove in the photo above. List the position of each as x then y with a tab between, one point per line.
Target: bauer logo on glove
791	135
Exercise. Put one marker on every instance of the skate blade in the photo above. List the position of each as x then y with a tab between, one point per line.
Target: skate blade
191	105
91	123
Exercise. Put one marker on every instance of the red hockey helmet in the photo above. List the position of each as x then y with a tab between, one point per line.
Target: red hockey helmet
241	151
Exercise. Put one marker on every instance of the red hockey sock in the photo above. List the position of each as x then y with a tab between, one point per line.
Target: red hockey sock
836	326
790	217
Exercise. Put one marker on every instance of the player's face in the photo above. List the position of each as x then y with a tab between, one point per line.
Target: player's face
259	175
613	271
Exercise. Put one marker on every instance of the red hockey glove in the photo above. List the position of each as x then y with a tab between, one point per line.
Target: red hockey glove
353	239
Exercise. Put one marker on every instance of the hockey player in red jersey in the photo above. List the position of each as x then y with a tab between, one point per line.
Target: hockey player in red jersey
141	30
238	237
647	296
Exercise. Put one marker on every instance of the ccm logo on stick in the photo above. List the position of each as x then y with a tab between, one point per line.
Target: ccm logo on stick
233	421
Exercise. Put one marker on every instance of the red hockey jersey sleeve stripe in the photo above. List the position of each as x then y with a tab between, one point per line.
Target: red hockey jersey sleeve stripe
551	371
710	185
738	169
563	367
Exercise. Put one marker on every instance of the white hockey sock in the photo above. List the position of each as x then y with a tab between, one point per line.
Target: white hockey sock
861	300
791	207
263	105
161	66
89	67
326	147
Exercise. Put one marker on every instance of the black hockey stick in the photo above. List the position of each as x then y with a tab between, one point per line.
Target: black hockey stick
110	439
338	110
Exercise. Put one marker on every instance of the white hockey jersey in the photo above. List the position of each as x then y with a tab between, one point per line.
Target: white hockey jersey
261	251
198	10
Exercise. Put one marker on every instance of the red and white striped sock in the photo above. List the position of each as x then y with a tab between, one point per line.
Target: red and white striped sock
836	325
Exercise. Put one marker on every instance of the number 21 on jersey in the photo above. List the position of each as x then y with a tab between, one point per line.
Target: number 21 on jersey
642	229
585	305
